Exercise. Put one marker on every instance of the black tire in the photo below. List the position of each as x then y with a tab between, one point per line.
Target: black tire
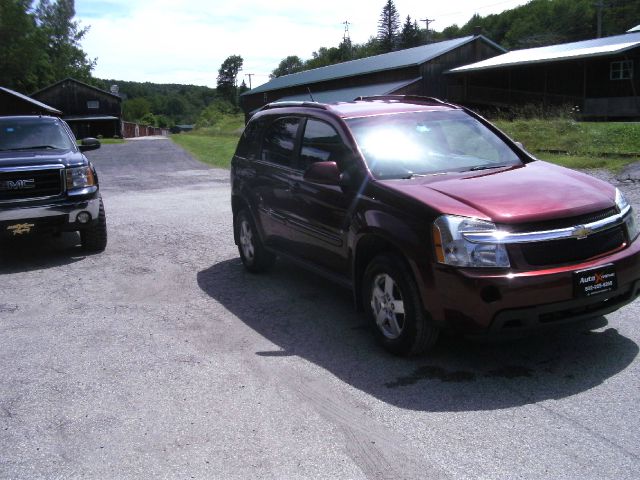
388	287
94	238
255	257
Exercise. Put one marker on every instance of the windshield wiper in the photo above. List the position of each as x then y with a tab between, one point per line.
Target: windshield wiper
35	147
414	175
485	167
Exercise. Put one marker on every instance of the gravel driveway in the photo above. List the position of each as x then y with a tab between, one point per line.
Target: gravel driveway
162	358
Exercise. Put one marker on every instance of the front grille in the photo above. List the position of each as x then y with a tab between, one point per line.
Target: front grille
569	250
26	184
561	222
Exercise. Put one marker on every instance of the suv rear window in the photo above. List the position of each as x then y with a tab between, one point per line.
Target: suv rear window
279	141
422	143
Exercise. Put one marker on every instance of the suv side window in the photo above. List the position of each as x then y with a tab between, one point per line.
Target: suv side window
247	145
320	143
279	141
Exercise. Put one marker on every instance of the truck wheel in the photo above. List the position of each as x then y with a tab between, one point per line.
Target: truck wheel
397	317
255	257
94	238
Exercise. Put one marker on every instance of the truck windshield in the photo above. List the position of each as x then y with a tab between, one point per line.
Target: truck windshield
423	143
33	134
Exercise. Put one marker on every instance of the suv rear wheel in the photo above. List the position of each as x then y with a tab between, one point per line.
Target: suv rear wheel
394	308
255	257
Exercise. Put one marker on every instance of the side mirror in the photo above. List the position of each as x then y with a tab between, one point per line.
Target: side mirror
89	143
325	173
520	145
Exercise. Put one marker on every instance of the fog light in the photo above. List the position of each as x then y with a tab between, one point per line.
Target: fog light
84	217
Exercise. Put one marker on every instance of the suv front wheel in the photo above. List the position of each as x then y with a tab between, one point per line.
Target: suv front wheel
394	308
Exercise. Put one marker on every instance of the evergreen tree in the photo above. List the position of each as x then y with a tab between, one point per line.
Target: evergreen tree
227	78
243	88
388	27
410	35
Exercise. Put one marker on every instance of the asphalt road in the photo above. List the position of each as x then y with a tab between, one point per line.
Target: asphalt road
163	358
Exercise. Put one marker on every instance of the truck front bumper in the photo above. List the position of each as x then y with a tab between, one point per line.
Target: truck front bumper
58	216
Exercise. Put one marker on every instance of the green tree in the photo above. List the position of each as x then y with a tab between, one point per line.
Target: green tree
388	27
63	34
22	60
135	109
288	65
227	78
410	35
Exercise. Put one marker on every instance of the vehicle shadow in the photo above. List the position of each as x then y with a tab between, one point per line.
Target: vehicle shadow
308	316
39	252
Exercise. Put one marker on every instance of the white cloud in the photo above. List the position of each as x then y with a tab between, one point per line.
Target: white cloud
175	42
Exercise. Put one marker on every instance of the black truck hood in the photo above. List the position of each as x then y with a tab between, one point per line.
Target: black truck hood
34	159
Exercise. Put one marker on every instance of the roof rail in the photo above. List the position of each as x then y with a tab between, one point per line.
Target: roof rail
407	99
286	104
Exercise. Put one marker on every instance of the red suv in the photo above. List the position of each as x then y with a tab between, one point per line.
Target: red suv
432	216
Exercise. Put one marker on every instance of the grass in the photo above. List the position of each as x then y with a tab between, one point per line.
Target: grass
213	145
565	142
578	144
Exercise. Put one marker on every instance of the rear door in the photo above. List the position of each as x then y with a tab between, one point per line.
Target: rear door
274	168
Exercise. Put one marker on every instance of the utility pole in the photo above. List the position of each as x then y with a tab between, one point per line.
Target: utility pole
427	21
249	75
346	39
600	6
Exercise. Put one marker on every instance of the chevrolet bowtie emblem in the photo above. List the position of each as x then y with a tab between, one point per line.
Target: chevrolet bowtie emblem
20	228
581	232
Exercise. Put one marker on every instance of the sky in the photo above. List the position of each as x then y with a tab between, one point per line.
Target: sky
169	41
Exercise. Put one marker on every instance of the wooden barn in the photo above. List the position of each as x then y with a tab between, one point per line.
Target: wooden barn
88	110
599	76
14	103
414	71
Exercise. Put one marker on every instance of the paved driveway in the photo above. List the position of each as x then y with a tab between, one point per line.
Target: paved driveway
162	358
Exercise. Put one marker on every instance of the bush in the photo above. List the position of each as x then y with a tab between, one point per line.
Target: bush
214	113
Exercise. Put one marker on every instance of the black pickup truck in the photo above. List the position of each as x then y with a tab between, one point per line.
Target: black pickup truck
47	185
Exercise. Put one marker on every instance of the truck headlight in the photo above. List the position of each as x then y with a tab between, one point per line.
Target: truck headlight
452	248
630	218
80	177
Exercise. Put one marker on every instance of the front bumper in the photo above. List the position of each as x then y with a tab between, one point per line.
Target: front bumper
57	216
493	303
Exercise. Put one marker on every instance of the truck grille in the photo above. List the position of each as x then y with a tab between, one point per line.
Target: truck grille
569	250
20	185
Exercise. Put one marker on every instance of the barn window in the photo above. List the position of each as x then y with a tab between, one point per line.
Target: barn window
622	70
93	104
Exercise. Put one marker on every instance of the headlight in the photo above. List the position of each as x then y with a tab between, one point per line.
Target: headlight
80	177
630	218
453	249
621	201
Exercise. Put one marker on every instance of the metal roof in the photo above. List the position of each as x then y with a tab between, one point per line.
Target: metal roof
378	63
30	100
348	94
69	79
566	51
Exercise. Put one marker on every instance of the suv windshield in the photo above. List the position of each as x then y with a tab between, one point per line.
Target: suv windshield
424	143
33	134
